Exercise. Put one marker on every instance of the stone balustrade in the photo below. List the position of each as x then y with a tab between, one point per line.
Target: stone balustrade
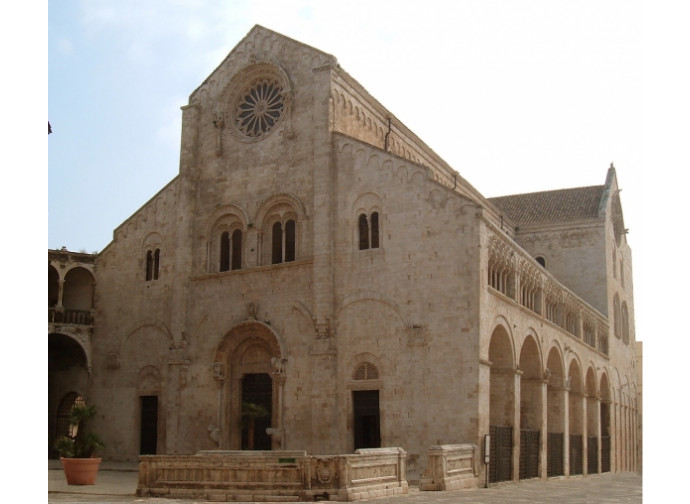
282	475
451	467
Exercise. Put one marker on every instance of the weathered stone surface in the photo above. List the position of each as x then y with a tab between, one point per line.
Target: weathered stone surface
375	298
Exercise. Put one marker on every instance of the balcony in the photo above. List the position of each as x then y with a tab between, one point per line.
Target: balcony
59	315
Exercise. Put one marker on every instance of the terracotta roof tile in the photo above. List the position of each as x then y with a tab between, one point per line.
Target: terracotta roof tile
562	205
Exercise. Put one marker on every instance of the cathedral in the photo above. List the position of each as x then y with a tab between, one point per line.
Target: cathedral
315	260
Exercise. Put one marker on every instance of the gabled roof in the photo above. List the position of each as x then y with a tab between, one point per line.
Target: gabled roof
256	33
549	207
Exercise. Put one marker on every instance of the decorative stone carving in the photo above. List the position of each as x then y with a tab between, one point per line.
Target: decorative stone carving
218	371
214	433
279	365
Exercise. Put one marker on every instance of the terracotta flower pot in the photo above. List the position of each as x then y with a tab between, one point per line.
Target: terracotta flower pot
80	471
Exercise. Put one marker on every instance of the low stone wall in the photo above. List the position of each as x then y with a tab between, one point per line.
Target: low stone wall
279	475
451	467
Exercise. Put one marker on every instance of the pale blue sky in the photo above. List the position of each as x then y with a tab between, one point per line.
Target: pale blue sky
517	96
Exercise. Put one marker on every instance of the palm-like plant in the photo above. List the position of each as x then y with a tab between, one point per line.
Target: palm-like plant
80	444
250	412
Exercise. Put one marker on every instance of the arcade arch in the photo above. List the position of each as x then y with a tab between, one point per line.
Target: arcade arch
532	405
556	413
501	405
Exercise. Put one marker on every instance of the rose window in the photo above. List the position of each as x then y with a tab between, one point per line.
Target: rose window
260	108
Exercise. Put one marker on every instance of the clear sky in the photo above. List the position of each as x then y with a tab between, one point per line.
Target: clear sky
517	96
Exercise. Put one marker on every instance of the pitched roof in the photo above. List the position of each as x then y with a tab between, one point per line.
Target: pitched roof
562	205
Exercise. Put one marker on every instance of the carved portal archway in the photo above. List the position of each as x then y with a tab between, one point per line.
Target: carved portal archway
248	357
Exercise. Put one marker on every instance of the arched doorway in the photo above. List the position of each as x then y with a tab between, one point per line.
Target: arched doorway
68	378
501	406
250	367
531	408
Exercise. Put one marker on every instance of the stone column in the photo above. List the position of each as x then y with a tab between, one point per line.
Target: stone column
566	430
585	443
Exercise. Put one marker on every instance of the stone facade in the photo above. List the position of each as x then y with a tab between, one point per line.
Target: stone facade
315	257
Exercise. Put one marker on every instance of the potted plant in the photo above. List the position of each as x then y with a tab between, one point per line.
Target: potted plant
77	449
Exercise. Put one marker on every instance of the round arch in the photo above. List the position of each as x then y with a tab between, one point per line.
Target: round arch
250	362
531	407
502	408
68	373
556	411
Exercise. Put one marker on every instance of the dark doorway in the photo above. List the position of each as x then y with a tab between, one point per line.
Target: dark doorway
148	435
367	418
257	389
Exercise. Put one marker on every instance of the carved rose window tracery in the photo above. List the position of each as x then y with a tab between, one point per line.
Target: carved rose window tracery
260	107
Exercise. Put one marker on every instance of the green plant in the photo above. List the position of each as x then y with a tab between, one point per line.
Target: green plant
81	443
250	412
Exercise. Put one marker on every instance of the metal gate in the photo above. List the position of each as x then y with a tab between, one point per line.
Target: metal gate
605	454
575	454
501	455
592	455
529	454
554	454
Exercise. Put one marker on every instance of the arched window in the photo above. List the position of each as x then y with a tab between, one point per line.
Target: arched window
366	371
149	265
290	240
363	232
156	263
277	243
625	323
616	316
231	250
153	258
283	242
368	228
224	251
541	261
375	230
236	249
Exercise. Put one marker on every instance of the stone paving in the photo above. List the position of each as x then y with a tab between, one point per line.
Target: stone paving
117	482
